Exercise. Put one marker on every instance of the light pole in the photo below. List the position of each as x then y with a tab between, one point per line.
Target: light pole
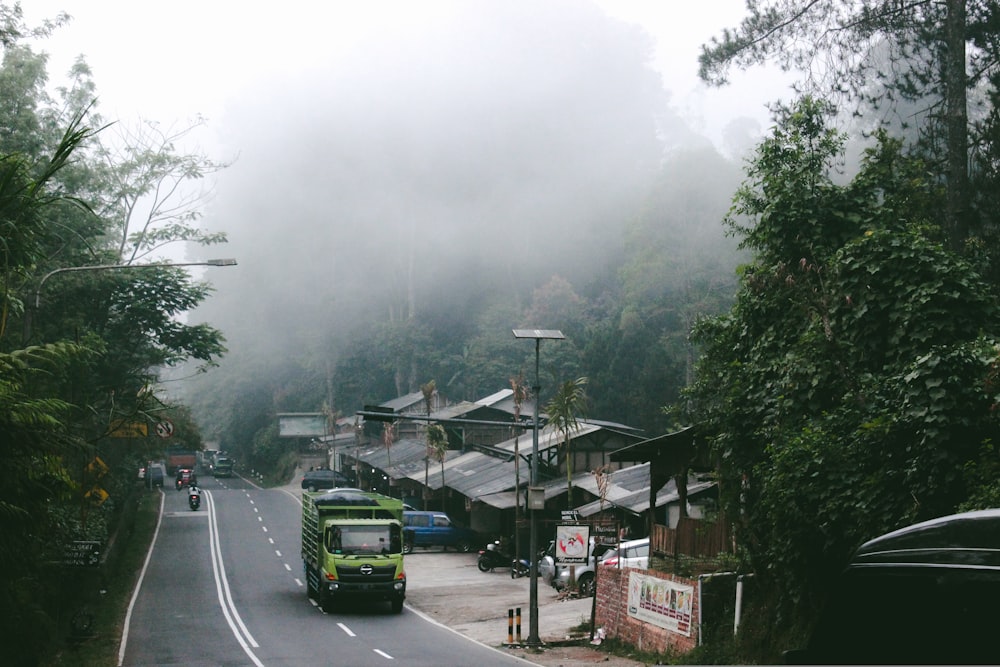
105	267
538	335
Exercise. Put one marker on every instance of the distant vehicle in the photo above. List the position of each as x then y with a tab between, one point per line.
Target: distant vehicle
223	467
185	477
207	458
180	458
921	595
633	553
151	475
437	529
155	475
314	480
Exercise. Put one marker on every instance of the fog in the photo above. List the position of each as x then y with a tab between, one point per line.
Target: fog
472	160
509	143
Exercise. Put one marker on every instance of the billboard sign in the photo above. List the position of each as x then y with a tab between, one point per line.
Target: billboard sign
301	424
664	603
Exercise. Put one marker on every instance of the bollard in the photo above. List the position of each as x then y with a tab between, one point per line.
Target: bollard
513	621
518	625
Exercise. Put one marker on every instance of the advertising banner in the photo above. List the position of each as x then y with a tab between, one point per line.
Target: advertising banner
301	424
571	544
663	603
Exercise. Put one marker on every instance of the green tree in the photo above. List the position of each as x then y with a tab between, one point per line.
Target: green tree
679	266
88	358
563	410
846	390
909	50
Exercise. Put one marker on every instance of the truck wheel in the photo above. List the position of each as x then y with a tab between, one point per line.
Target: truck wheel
407	548
326	601
397	605
464	547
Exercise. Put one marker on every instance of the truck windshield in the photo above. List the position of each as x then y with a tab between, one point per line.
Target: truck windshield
364	540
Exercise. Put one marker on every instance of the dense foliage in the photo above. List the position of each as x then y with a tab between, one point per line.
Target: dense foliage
81	347
850	388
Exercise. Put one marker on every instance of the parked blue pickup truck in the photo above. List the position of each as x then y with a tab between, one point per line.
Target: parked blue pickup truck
436	529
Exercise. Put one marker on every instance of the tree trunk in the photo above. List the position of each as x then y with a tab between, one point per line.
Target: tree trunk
956	123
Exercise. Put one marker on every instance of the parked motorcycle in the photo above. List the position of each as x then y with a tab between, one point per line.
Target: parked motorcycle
493	556
194	498
520	568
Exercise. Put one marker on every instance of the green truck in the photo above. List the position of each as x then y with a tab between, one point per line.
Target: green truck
352	547
223	467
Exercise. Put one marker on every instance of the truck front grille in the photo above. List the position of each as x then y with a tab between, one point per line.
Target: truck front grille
379	573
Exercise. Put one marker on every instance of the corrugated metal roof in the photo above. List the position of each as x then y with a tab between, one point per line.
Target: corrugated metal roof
455	410
507	405
637	502
401	403
551	488
477	475
494	398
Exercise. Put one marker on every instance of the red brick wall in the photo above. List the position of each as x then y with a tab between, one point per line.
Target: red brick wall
612	614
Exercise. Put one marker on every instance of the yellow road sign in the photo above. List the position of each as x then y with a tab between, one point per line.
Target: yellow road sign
97	467
96	495
124	429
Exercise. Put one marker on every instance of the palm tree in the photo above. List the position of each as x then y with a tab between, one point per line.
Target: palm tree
437	447
569	401
388	437
427	390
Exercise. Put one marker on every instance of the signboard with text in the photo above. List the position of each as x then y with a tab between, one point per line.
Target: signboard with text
664	603
125	429
82	553
572	544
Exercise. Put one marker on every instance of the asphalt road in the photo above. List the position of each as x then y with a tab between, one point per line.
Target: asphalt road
223	586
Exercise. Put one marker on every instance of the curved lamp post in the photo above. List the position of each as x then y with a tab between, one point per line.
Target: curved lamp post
538	335
104	267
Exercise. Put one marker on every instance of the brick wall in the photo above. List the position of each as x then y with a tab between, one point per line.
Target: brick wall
612	614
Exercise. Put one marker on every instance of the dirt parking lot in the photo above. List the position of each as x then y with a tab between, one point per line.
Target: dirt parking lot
448	587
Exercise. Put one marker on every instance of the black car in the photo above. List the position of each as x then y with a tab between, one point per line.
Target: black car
314	480
925	594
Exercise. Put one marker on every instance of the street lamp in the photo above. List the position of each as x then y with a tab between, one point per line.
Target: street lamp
538	335
104	267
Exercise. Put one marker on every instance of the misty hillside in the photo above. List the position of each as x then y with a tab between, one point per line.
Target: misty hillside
394	213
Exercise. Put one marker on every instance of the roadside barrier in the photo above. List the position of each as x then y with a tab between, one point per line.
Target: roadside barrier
511	625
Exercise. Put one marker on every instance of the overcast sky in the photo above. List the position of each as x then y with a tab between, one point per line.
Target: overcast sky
171	61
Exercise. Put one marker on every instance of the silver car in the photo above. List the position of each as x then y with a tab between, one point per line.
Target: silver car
584	572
